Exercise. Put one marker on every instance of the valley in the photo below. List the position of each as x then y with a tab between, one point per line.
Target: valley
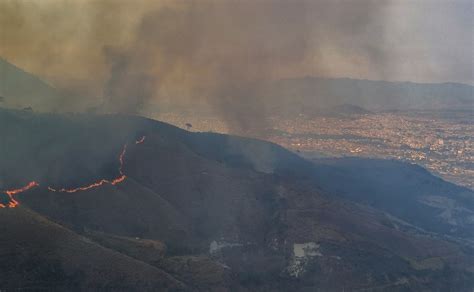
441	141
206	211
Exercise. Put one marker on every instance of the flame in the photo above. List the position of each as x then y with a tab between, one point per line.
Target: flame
14	203
10	193
102	182
122	155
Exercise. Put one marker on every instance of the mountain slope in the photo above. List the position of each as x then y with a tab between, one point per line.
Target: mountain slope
37	254
21	89
406	191
248	210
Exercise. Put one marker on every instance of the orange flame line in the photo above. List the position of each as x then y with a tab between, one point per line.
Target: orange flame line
102	182
122	155
10	193
14	203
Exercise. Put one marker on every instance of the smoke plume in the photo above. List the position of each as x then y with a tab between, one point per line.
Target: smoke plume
130	54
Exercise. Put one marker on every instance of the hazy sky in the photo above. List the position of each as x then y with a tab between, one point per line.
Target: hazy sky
169	48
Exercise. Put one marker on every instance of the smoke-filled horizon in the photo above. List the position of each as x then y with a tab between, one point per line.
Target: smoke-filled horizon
130	53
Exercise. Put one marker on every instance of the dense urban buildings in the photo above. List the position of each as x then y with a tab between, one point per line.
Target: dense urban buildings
440	141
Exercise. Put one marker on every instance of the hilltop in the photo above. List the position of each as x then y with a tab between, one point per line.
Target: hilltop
249	213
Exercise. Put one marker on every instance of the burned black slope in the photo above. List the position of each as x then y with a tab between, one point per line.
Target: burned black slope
247	210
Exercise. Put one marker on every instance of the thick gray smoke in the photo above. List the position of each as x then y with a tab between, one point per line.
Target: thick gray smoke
162	40
221	53
127	89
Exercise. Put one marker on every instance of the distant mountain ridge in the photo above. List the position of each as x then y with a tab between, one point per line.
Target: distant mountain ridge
21	89
312	93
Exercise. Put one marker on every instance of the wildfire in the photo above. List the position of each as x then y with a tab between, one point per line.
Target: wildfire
13	203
